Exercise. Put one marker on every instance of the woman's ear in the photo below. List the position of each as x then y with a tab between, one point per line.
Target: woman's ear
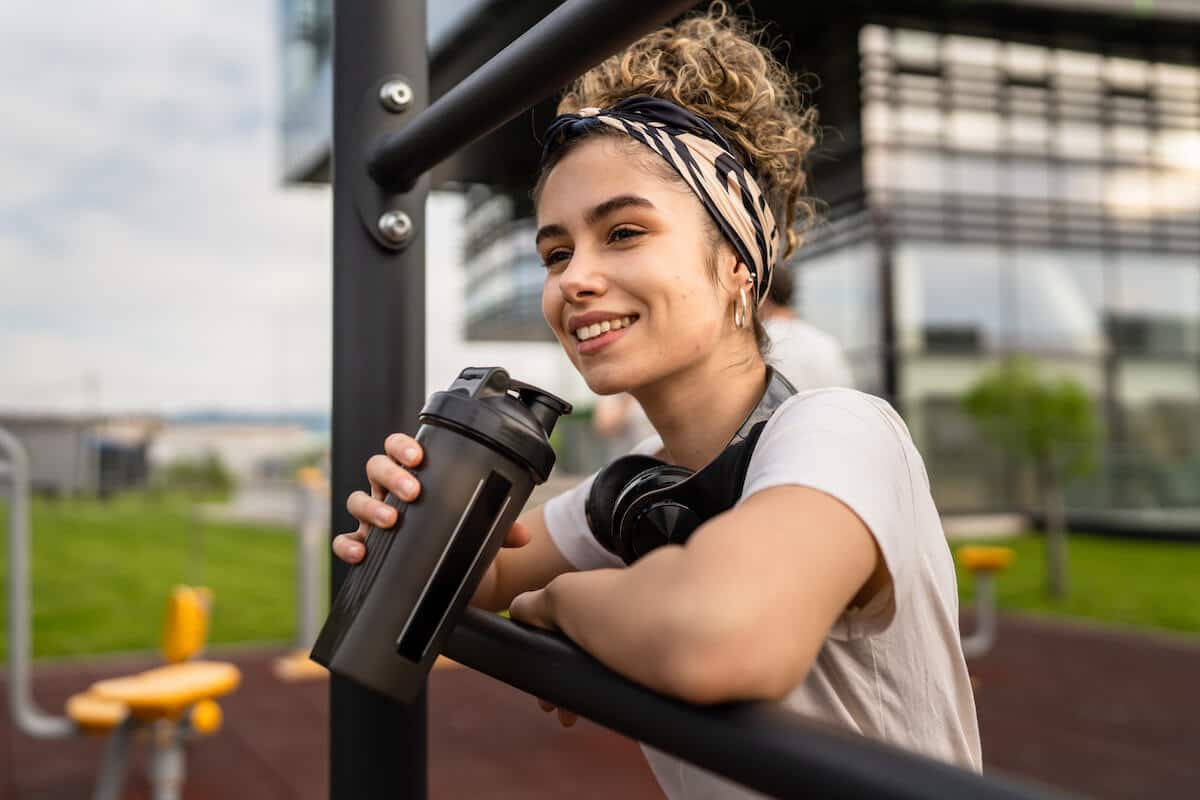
741	277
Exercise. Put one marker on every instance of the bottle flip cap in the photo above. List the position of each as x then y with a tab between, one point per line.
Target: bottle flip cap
488	405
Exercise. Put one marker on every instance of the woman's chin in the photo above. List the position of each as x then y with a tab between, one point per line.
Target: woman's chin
607	380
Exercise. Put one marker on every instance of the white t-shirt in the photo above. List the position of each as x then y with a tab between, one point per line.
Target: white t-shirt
892	670
806	355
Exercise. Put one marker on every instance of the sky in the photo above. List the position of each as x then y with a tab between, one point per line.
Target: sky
150	259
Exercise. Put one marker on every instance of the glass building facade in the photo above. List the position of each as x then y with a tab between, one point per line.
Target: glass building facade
1027	198
994	183
1003	197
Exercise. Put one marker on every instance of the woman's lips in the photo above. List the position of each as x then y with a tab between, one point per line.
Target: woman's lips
597	343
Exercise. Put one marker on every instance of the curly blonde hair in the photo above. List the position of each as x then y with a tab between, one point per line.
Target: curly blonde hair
713	65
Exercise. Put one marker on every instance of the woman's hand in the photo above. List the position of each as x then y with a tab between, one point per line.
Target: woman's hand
565	718
386	473
533	608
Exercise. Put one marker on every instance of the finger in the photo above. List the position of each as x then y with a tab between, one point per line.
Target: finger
396	479
518	536
370	511
566	718
404	449
546	706
348	548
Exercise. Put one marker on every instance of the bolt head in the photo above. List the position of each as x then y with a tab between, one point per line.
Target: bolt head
396	95
396	227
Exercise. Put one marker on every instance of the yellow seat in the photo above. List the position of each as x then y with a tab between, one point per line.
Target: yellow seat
985	558
297	666
94	714
165	692
313	479
185	625
170	690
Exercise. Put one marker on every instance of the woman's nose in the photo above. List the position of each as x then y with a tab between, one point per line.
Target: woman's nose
582	278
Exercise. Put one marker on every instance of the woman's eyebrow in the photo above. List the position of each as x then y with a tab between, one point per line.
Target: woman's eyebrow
546	231
610	206
615	204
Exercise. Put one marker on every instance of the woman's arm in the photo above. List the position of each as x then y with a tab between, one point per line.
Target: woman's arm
738	613
521	569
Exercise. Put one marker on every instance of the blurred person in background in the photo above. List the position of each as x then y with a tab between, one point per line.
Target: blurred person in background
620	423
671	189
806	355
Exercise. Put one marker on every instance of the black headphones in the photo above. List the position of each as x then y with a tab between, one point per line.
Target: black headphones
638	503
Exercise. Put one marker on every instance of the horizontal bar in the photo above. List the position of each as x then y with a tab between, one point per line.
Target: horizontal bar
761	745
570	40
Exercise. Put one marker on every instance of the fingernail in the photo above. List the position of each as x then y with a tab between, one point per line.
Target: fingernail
408	487
354	551
384	516
410	454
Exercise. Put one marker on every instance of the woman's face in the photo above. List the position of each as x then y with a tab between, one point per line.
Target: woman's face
628	289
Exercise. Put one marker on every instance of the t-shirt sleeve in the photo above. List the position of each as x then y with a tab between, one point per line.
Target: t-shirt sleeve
567	524
855	448
568	527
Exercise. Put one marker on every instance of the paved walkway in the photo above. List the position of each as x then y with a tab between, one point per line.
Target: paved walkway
1104	714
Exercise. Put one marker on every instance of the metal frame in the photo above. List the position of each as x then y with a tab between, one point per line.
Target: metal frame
30	718
377	746
761	745
166	768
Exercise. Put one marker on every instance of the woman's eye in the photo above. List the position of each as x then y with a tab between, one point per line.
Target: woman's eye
556	257
621	234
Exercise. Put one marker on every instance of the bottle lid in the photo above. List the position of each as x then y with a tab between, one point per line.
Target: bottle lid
488	405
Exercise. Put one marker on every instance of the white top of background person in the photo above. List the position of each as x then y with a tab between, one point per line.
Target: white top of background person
806	355
829	586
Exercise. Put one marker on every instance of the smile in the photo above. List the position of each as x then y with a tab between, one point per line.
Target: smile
598	328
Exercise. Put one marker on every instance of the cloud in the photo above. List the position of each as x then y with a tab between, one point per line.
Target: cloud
144	237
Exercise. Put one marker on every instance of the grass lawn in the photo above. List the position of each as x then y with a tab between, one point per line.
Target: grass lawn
1127	582
102	571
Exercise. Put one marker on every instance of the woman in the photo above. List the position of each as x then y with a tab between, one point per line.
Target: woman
828	586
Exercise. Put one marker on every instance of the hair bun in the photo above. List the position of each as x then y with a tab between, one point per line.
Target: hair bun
712	65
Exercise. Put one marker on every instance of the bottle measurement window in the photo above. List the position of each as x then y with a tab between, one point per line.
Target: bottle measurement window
466	544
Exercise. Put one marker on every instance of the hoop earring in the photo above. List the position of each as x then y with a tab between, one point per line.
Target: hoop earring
739	319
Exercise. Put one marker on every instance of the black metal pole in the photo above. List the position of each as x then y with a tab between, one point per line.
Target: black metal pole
377	747
574	37
761	745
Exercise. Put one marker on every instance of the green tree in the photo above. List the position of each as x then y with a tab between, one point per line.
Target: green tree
1048	424
205	477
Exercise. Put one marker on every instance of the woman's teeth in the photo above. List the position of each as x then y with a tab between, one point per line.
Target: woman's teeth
595	329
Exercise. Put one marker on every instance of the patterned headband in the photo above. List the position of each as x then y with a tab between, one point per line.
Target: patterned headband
703	159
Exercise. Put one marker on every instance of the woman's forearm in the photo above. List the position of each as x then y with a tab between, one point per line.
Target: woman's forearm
633	621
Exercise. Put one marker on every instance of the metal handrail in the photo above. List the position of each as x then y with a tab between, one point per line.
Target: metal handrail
761	745
532	68
24	708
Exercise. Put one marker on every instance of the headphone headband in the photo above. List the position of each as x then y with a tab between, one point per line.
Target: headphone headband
639	503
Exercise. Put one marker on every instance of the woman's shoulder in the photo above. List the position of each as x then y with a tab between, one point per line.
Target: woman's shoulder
837	431
835	408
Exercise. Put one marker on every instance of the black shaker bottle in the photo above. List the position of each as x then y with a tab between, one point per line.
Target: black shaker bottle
486	444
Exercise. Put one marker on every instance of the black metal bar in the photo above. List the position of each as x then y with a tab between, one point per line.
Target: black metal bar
574	37
760	745
377	747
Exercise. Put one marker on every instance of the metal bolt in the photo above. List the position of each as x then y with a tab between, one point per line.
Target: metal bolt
396	227
396	95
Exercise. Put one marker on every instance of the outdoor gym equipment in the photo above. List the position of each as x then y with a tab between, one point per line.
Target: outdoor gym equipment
175	702
311	546
983	561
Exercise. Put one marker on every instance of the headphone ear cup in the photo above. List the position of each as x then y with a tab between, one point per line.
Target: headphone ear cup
632	537
601	502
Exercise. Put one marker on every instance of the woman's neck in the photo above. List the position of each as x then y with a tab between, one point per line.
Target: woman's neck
697	411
